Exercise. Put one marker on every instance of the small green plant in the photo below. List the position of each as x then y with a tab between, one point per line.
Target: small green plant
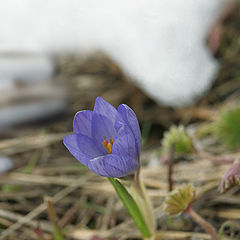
177	135
181	201
228	128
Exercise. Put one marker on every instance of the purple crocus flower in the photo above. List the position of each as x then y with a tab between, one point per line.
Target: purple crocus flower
106	140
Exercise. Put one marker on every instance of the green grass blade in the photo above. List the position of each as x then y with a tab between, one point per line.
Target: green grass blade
131	207
57	233
228	223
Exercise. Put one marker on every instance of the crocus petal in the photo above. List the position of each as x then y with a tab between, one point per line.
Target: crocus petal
81	147
231	177
104	108
112	165
102	129
82	122
91	128
124	143
129	117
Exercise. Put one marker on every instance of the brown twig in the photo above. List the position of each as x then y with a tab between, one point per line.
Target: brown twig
216	159
170	167
68	216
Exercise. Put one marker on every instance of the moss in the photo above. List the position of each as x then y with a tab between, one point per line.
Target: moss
228	128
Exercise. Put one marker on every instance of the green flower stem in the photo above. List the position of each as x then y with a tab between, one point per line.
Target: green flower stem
203	223
138	192
132	207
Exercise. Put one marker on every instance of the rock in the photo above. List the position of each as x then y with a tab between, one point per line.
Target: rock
5	164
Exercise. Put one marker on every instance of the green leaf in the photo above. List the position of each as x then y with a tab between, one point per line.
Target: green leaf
57	233
131	207
95	207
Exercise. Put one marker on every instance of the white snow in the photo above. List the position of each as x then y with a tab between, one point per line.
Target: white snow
160	44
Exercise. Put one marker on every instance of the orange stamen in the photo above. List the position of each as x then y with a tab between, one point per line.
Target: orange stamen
108	145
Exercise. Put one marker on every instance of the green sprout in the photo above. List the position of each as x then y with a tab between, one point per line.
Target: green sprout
228	128
177	135
179	200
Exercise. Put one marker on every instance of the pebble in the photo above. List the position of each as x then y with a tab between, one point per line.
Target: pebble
6	164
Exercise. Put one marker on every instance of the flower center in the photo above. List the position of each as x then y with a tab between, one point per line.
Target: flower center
108	145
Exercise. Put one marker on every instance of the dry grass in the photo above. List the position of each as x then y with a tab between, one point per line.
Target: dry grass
86	204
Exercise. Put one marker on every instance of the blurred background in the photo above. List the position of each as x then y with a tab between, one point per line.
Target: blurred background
171	61
57	58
